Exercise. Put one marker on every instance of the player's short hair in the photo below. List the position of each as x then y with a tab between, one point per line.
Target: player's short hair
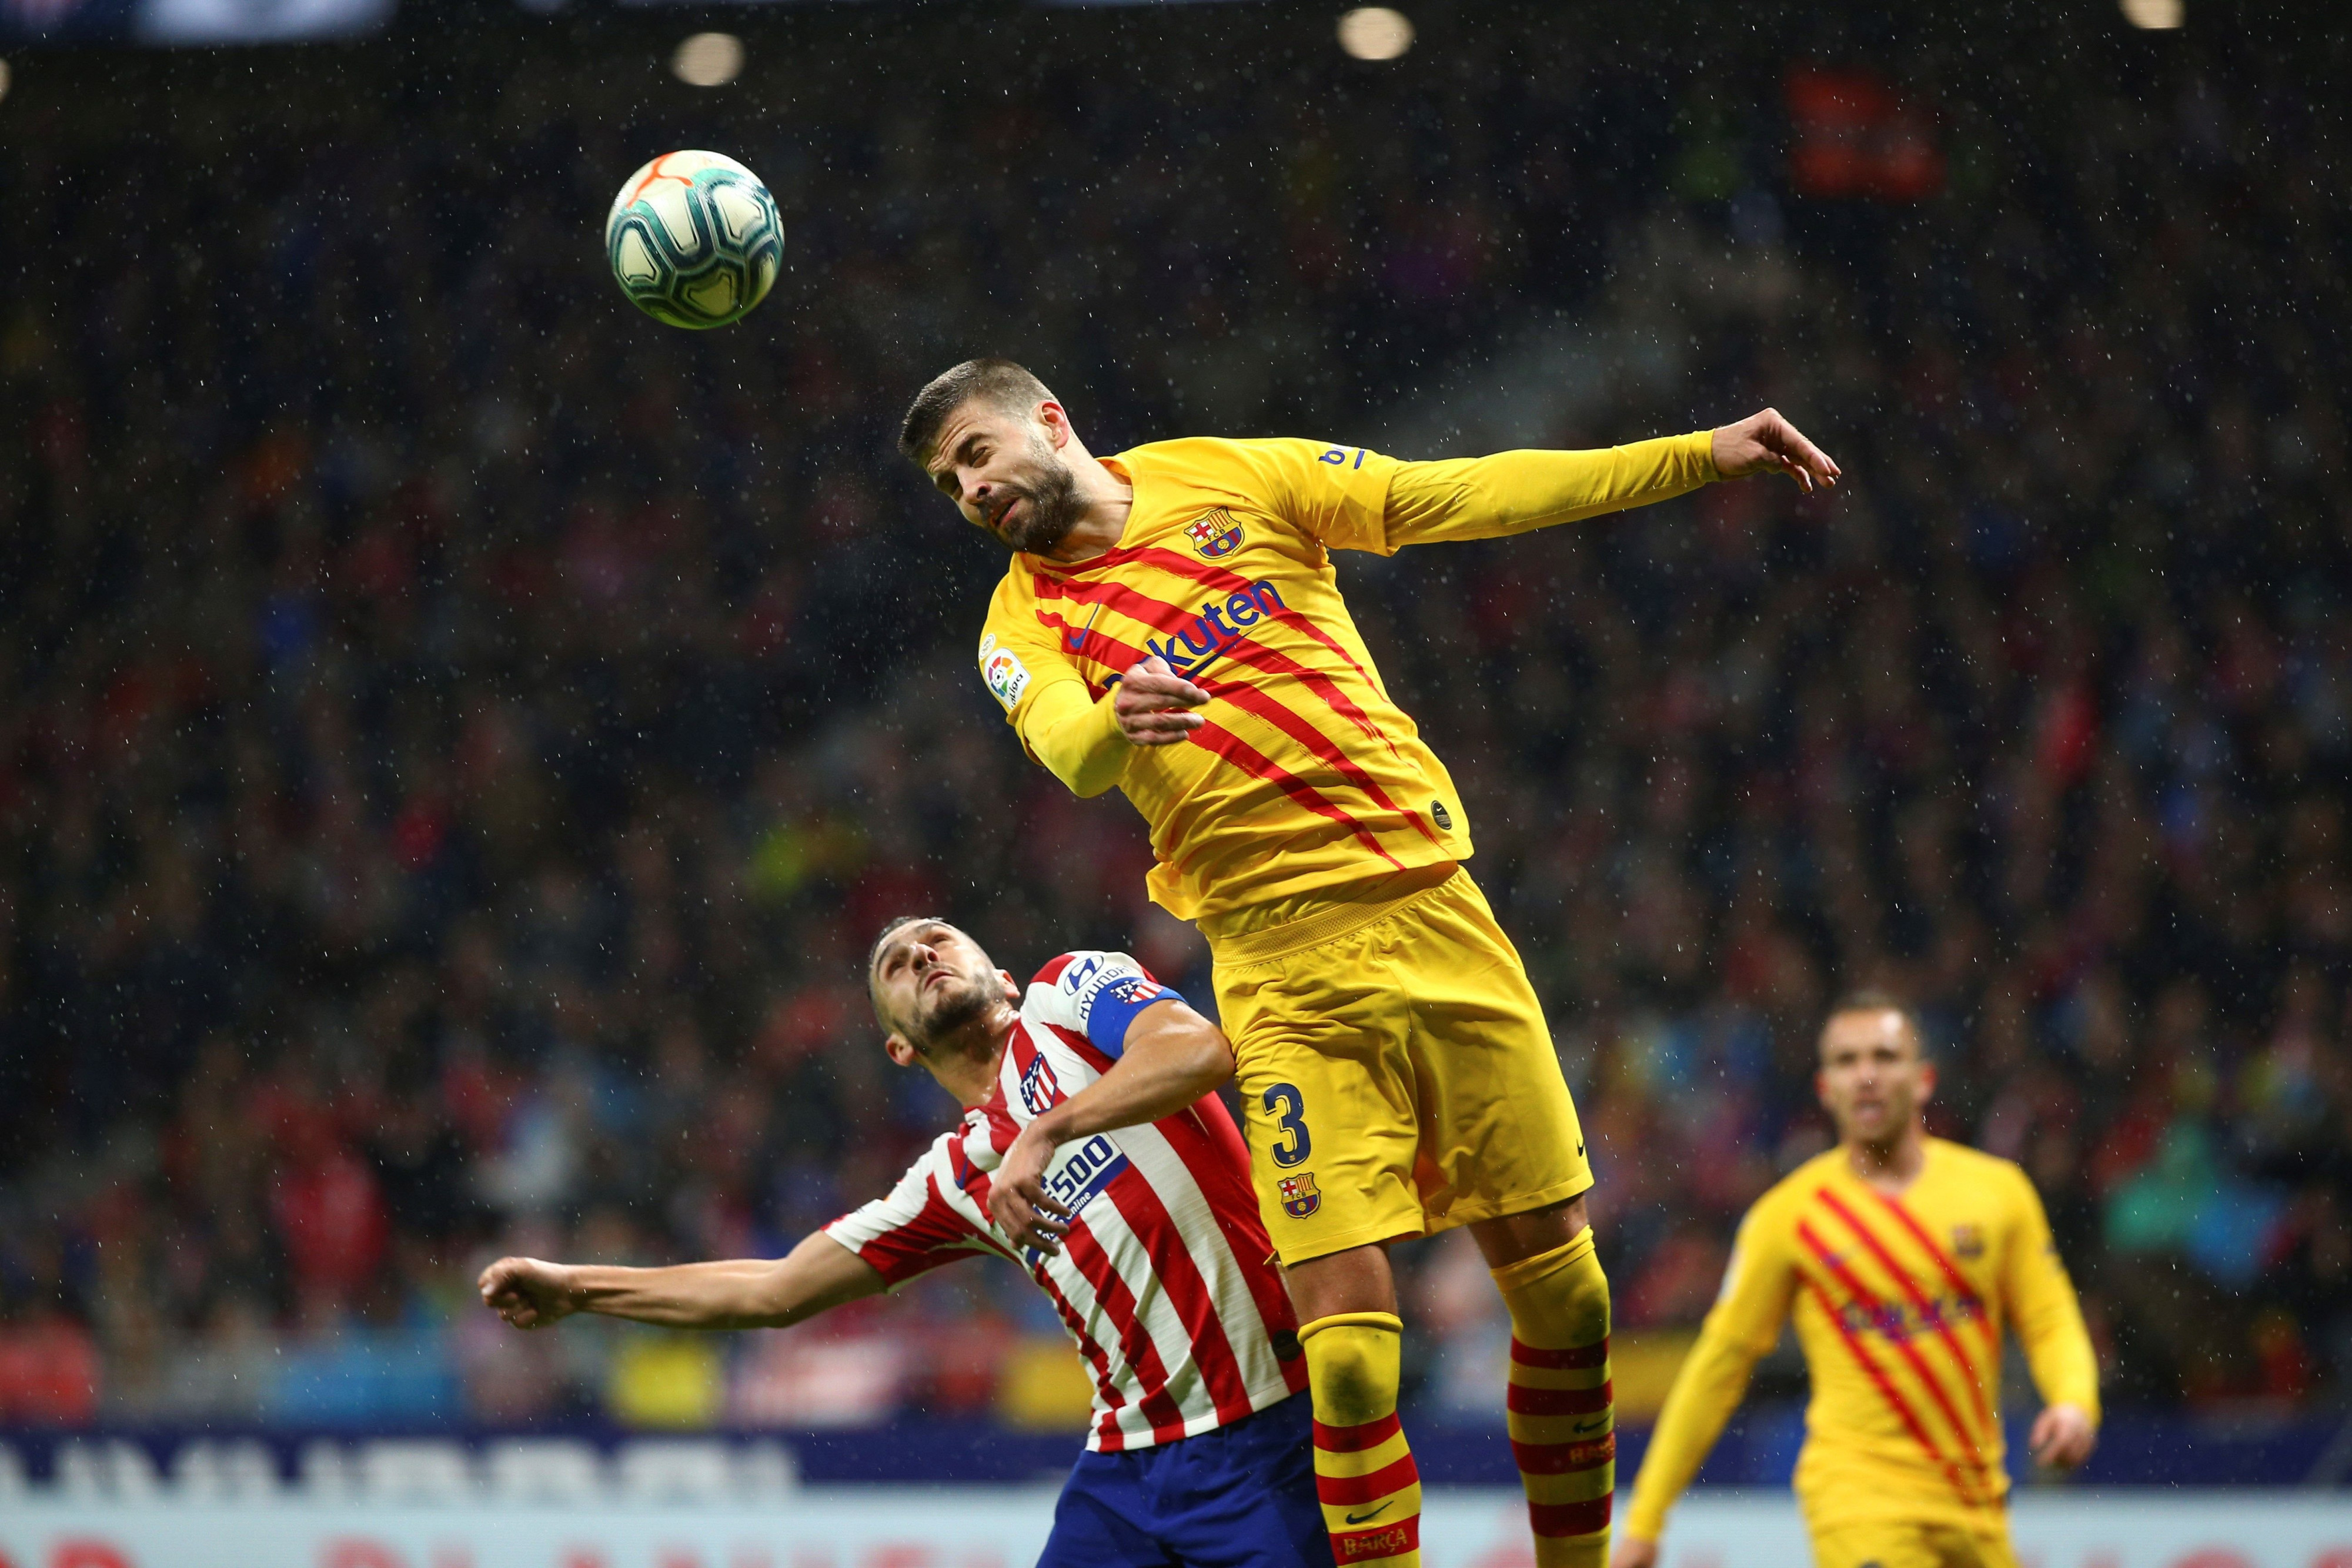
1000	382
1876	999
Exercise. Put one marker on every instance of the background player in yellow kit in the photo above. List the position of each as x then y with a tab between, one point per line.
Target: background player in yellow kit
1170	625
1902	1257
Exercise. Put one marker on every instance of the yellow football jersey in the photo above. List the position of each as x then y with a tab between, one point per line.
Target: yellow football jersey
1900	1304
1304	776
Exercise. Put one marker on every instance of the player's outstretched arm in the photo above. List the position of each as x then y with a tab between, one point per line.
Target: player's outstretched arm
739	1293
1766	442
1517	492
1171	1058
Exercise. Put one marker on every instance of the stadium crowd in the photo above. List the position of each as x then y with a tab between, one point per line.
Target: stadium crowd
466	735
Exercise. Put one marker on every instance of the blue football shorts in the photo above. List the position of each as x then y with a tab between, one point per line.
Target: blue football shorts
1242	1496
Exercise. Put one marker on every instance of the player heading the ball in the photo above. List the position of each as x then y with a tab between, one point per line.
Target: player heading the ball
1171	626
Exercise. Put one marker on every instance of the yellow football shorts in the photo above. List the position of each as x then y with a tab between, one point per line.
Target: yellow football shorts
1893	1546
1396	1078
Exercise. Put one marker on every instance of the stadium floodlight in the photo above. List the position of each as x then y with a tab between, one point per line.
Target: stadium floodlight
2152	14
709	59
1375	32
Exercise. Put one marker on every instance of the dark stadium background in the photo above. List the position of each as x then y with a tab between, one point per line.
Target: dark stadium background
461	735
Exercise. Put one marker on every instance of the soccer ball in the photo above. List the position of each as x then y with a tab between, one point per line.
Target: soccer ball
694	239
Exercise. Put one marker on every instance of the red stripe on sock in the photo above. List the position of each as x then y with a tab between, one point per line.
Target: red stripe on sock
1560	1401
1347	1492
1571	1517
1583	1358
1356	1439
1382	1541
1564	1459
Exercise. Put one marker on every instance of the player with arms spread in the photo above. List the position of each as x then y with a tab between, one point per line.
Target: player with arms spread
1171	625
1099	1079
1901	1258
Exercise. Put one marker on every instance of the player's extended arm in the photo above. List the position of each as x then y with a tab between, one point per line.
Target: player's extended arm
1514	492
1742	1325
1171	1058
2049	1321
740	1294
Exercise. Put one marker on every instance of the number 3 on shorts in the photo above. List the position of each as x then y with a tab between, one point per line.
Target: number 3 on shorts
1288	1106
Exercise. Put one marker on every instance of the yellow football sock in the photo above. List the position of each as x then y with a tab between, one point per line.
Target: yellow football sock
1364	1473
1562	1409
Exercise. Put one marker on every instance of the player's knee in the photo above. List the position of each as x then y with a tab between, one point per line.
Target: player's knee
1563	1296
1353	1368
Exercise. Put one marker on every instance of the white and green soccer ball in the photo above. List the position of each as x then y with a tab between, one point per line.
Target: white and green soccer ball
694	239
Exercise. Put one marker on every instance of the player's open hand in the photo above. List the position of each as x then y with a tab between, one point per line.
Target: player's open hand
1633	1553
1766	442
527	1292
1153	702
2062	1437
1017	1198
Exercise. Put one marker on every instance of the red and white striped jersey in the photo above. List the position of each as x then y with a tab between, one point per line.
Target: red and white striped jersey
1166	1279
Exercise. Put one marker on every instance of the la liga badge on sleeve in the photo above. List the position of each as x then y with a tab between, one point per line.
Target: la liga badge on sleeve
1299	1198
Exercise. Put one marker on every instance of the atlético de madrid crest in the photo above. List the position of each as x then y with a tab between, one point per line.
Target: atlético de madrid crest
1299	1198
1214	533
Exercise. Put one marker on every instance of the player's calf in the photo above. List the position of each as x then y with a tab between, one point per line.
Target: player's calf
1364	1474
1562	1411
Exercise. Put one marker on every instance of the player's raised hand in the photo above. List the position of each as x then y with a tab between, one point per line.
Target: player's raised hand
527	1292
1766	442
2062	1437
1017	1198
1153	702
1633	1553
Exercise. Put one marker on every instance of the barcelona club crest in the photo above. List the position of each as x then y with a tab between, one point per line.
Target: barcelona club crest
1215	534
1967	1240
1299	1198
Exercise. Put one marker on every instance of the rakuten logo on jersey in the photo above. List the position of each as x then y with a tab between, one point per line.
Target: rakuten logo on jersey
1220	624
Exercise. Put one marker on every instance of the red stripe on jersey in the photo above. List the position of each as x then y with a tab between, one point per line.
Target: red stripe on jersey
1083	1046
1231	581
1887	1391
1086	1254
1121	656
1212	1148
1106	1385
1951	1270
1140	1204
1232	749
1288	720
1928	1312
923	1243
1870	1302
1051	972
1170	620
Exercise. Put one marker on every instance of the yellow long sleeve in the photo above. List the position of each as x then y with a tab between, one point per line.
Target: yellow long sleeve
1742	1325
1514	492
1075	735
2045	1314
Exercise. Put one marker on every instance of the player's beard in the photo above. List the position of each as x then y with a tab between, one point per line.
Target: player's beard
1052	493
957	1003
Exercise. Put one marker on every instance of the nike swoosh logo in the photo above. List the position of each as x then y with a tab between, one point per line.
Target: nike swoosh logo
1581	1427
1369	1513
